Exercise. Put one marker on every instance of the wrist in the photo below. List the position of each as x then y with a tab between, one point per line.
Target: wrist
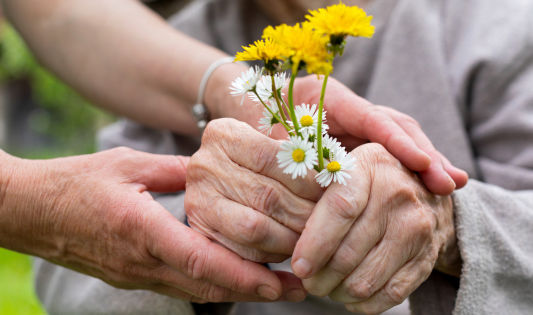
27	223
13	191
449	260
220	102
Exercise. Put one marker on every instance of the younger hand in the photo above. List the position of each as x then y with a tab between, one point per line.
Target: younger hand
354	121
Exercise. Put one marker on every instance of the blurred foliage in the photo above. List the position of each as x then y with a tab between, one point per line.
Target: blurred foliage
67	117
16	291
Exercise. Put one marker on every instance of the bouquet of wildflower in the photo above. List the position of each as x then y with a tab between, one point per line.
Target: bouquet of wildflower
311	45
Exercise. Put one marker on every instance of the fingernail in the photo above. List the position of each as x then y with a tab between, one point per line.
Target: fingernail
295	295
427	156
301	268
451	181
267	292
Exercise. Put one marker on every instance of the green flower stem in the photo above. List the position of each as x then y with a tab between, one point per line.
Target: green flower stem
291	104
272	113
319	125
276	97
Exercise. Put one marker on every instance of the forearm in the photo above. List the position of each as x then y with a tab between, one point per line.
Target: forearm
24	195
124	58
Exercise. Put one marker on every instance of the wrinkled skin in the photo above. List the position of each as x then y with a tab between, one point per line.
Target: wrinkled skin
371	243
236	193
238	196
94	214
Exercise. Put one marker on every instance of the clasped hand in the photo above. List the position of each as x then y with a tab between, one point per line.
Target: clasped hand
368	244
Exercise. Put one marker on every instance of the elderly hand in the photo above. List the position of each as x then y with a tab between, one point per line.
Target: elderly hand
237	194
354	120
94	214
371	243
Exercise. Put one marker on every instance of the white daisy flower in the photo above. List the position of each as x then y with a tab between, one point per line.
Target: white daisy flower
329	144
307	116
336	169
297	156
267	122
264	87
247	82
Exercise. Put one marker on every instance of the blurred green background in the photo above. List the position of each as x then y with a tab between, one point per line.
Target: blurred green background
40	117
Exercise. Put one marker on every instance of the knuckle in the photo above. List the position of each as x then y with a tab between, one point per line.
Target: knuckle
221	130
195	263
264	158
265	198
254	229
422	223
396	294
360	289
122	155
344	206
216	294
122	150
213	128
404	193
343	261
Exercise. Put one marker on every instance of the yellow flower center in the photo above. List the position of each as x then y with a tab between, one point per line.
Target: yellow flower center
306	121
333	166
298	155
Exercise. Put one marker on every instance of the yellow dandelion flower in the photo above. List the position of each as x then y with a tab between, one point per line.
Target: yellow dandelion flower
340	20
266	50
304	46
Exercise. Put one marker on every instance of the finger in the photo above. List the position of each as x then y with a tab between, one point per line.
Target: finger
267	196
365	121
207	292
458	175
331	220
373	272
241	229
397	289
159	173
293	290
436	178
198	291
365	233
383	261
200	259
251	149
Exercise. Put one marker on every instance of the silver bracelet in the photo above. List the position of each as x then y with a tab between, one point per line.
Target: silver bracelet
199	111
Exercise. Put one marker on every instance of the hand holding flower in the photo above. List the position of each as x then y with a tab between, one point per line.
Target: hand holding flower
313	45
237	195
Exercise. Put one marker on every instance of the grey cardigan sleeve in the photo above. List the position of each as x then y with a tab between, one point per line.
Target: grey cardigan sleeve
494	215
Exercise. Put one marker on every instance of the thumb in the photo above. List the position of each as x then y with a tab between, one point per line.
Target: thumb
160	173
203	260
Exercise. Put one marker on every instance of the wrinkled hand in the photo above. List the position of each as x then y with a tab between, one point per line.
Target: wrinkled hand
354	121
237	194
371	243
94	214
